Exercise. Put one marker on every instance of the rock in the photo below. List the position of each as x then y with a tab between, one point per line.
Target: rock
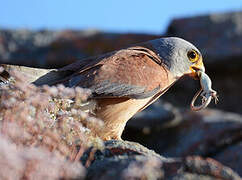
208	133
231	156
127	160
25	47
52	49
218	36
158	114
154	118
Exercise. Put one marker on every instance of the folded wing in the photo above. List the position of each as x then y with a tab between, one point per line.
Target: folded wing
133	73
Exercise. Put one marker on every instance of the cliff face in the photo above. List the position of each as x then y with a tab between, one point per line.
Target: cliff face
168	127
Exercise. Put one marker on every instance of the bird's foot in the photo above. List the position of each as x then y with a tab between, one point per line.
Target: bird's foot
113	137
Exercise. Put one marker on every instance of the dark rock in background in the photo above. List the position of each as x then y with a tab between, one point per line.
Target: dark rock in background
219	37
167	126
158	115
53	49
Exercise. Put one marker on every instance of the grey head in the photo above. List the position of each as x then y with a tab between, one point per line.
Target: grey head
180	56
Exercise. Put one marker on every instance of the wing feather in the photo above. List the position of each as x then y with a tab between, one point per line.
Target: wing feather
126	73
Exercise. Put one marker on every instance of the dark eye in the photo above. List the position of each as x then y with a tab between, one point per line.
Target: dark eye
193	55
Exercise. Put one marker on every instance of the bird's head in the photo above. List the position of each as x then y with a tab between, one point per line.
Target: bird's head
179	56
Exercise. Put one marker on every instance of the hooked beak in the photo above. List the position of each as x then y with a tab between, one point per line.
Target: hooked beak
195	68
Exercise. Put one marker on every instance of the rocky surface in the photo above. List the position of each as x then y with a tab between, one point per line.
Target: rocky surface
208	133
127	160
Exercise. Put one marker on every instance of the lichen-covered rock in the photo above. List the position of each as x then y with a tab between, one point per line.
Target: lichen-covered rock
231	156
126	160
208	133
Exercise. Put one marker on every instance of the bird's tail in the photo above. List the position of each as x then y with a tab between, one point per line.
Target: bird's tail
37	76
31	74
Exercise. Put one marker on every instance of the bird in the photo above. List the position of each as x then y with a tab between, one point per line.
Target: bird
126	81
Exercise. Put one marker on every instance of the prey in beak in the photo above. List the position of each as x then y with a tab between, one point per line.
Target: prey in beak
206	92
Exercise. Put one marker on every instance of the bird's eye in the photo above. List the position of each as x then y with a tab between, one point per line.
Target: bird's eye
193	55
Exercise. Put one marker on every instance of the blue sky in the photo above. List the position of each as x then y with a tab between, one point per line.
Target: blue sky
151	16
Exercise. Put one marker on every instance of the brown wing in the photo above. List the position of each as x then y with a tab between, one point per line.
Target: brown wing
126	73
